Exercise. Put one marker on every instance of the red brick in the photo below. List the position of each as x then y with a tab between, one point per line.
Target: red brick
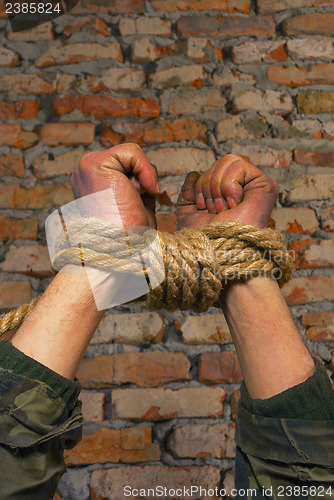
204	329
242	6
154	132
314	101
144	369
45	168
19	109
311	24
327	219
263	51
92	24
8	58
27	84
192	75
320	326
153	26
25	229
31	260
11	134
314	158
294	220
219	368
167	222
40	196
201	50
311	254
230	77
133	444
78	52
68	134
235	397
144	50
224	28
11	165
116	6
291	76
104	107
14	293
93	406
270	6
309	289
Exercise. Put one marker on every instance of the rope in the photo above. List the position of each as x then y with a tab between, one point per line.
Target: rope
197	262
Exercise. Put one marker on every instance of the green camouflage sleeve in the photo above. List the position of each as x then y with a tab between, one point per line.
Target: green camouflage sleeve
284	458
35	427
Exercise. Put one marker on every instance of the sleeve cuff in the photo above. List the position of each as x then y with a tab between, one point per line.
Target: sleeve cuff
16	361
310	400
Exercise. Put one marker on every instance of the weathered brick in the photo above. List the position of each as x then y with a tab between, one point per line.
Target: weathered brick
68	134
11	227
328	131
108	484
170	188
235	397
313	101
264	51
40	196
12	134
19	109
320	326
154	132
204	329
285	129
309	289
312	23
118	79
107	445
225	28
163	403
219	368
247	127
269	6
172	161
314	158
166	222
144	50
202	440
115	6
93	404
11	165
90	24
192	75
232	77
78	52
14	293
201	50
242	6
146	369
8	58
291	76
311	187
193	101
263	156
27	84
311	48
64	164
104	107
313	253
327	219
269	100
144	26
39	33
294	220
30	260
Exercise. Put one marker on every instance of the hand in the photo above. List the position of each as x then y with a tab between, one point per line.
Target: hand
132	178
231	190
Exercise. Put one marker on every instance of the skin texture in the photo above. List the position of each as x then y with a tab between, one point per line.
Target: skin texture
271	353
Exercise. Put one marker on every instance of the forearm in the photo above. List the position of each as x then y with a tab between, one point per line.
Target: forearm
271	353
61	325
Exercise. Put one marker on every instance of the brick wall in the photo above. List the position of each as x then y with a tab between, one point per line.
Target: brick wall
188	80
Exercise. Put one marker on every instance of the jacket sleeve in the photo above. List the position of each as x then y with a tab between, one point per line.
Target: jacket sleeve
283	457
36	424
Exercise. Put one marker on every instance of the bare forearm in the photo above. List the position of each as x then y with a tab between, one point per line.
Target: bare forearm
60	327
271	353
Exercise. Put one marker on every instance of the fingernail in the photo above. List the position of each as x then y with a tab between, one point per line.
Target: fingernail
157	187
210	206
231	203
220	206
200	201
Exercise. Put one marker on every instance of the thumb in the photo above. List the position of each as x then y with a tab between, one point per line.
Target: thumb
187	195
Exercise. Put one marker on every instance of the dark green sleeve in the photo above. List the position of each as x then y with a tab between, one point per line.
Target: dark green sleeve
311	400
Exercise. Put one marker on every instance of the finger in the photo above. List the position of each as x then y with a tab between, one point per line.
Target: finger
206	191
187	195
149	202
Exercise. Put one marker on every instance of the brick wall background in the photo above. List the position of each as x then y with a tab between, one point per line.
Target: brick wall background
189	81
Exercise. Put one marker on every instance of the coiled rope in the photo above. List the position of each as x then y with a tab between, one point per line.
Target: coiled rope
197	262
